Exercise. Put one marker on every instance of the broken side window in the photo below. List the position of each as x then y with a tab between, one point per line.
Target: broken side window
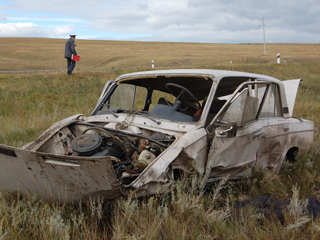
271	105
252	100
243	108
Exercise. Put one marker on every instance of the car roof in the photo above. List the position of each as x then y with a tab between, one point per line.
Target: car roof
213	73
199	76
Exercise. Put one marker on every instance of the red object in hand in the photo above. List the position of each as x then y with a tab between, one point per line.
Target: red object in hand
75	57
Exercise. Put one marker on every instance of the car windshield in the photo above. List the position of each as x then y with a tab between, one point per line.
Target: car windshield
129	97
173	98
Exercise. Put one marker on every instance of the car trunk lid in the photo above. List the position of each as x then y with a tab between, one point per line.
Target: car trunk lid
291	89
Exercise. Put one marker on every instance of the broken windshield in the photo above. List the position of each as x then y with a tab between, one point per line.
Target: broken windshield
176	99
128	97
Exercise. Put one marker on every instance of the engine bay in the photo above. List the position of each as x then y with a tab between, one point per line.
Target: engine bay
131	148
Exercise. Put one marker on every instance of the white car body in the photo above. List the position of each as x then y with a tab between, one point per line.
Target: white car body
128	144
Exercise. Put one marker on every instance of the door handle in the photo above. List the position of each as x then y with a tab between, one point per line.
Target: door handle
225	131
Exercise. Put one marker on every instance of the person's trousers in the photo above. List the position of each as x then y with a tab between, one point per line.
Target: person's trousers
71	65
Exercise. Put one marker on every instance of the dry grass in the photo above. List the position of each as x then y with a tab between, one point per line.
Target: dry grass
31	102
48	54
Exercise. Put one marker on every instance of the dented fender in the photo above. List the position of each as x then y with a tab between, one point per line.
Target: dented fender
188	145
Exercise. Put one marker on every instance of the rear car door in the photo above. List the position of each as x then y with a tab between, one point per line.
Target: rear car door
237	132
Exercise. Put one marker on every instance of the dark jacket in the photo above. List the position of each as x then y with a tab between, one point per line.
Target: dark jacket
70	48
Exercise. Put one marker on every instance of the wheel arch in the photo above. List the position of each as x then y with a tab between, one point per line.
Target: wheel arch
291	154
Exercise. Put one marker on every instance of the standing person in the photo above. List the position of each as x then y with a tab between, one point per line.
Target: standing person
69	50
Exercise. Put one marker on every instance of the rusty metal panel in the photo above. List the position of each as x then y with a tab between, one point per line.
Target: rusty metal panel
63	179
90	177
20	171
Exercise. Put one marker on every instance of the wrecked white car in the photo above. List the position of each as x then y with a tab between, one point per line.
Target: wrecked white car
151	127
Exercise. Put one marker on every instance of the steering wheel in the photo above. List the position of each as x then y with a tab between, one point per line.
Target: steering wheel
181	97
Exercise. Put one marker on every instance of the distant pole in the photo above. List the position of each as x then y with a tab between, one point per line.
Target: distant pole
278	58
152	63
264	36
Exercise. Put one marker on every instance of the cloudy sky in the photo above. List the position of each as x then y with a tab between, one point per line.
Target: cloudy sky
206	21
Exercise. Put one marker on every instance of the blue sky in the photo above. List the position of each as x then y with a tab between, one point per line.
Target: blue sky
207	21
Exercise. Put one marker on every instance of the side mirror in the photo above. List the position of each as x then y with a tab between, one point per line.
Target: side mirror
231	130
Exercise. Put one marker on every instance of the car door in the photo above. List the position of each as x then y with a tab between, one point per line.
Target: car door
237	133
271	149
276	129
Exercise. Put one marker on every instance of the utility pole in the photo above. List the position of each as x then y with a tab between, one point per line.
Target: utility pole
264	35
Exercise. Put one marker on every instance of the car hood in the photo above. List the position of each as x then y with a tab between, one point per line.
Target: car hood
63	179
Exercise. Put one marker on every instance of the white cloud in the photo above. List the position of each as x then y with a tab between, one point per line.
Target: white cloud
166	20
20	29
32	30
63	30
33	19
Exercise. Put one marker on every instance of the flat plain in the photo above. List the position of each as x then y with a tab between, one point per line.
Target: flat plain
36	92
48	54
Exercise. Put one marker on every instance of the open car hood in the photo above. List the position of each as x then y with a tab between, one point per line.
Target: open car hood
63	179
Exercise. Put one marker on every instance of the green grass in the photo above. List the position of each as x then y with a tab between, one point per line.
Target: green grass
32	102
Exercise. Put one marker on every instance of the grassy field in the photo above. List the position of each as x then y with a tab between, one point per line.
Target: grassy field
32	101
48	54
